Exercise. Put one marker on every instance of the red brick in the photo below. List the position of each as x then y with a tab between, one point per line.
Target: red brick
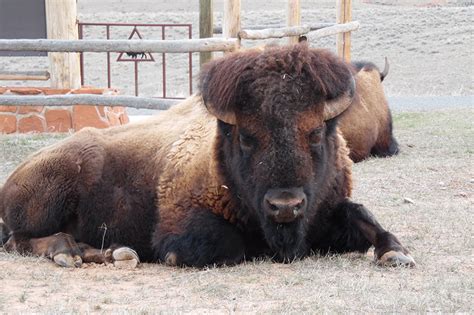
87	90
101	110
87	116
58	120
124	119
51	91
122	114
33	123
25	91
8	109
7	123
113	118
30	109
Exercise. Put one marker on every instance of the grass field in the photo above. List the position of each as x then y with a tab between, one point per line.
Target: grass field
424	195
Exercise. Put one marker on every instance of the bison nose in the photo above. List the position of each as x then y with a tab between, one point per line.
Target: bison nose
285	204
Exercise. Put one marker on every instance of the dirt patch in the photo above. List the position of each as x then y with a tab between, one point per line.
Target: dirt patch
434	170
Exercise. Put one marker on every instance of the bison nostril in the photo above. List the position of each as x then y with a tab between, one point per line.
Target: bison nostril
299	205
272	206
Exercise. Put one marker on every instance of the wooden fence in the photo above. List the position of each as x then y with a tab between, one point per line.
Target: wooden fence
88	99
230	42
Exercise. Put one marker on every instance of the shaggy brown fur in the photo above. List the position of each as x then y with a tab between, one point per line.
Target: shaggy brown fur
367	124
186	188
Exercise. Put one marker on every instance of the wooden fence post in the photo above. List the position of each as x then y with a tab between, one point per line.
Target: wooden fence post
206	26
61	23
344	15
293	18
231	22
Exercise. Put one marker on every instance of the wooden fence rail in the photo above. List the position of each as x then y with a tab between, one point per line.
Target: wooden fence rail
299	30
274	32
313	27
335	29
114	45
24	75
88	99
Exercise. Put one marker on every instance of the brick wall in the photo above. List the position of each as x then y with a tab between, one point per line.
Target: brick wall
24	119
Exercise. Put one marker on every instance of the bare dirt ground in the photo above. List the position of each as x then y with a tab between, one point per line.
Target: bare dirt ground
434	171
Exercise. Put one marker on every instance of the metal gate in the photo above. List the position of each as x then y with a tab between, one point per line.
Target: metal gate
137	58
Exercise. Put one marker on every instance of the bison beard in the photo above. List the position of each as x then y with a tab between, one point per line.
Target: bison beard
253	165
287	241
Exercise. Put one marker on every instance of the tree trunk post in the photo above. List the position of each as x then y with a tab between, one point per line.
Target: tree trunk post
344	15
231	22
293	18
61	23
206	25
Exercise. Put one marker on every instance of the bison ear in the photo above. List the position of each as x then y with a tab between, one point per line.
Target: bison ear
221	83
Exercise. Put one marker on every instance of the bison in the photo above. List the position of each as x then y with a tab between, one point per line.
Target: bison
255	165
367	123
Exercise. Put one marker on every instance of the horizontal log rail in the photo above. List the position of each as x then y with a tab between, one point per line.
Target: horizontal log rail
115	45
312	27
299	30
24	75
335	29
274	32
88	99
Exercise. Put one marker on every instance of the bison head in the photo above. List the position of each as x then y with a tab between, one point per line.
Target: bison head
277	111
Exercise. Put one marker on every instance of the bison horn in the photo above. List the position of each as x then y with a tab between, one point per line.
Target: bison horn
227	117
384	73
336	106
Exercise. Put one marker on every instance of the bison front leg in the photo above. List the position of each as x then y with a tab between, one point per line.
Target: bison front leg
199	240
352	227
64	251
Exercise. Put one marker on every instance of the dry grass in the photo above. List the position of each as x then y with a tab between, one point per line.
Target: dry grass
434	169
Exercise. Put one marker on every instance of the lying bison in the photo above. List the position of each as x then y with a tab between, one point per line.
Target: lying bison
367	123
259	168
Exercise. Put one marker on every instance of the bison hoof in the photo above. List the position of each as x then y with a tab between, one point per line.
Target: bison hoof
171	259
68	261
396	259
125	258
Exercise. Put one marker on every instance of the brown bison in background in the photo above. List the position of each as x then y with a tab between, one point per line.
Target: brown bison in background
367	124
259	168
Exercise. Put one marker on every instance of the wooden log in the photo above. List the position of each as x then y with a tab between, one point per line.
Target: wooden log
274	32
87	99
293	18
24	75
115	45
312	27
206	23
61	23
344	15
335	29
231	22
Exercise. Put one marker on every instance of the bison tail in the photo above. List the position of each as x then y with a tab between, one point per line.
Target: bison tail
384	73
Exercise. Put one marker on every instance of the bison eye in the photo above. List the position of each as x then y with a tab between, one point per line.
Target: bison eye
247	142
315	137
